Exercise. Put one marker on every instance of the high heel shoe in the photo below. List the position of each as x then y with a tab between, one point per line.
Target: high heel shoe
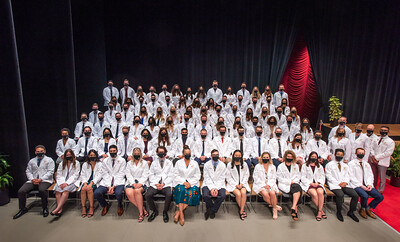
176	217
274	213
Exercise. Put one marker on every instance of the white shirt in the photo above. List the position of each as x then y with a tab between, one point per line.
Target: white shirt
86	172
286	177
261	179
117	133
214	179
233	178
93	117
321	148
107	94
246	95
101	144
361	142
68	175
334	177
191	173
344	144
99	128
215	94
197	149
108	172
333	131
383	150
80	146
44	171
274	147
224	148
264	146
131	94
248	151
359	175
157	174
308	176
137	173
80	126
130	145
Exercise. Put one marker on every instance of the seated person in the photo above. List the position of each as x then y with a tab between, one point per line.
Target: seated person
39	172
214	174
160	178
319	146
278	147
245	145
186	192
90	169
313	181
67	175
237	181
265	182
362	181
85	144
137	175
111	180
104	143
288	174
202	147
80	126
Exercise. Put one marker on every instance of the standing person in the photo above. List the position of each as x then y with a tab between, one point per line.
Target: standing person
90	169
213	184
39	172
161	177
265	182
362	181
338	179
237	181
67	175
215	93
126	92
187	181
380	155
64	144
244	93
312	181
342	124
109	91
288	174
279	95
111	180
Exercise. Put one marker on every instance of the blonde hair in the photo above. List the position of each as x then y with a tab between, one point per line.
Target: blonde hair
140	152
270	159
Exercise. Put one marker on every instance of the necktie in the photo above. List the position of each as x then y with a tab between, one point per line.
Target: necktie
158	122
83	127
95	117
202	153
380	141
117	131
318	144
112	180
339	166
66	178
86	143
280	149
38	164
101	124
125	116
222	139
111	94
141	120
357	136
259	146
126	141
126	94
145	147
241	146
215	165
362	172
162	164
186	125
184	141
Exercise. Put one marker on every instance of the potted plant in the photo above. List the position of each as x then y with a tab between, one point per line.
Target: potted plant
334	110
5	180
395	167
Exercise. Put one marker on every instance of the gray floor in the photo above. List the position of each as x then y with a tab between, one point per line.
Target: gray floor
258	226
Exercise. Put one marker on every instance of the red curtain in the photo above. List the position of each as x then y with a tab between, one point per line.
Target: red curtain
299	82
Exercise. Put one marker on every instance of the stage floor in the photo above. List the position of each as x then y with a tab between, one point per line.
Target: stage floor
258	226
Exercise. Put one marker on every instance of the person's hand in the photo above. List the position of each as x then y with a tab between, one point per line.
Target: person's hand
38	180
129	157
135	138
202	158
343	184
280	160
267	187
138	185
240	186
64	185
145	156
364	188
110	190
237	186
214	192
180	156
369	188
321	160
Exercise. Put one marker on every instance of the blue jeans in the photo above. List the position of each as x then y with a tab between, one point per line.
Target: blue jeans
378	197
201	162
213	206
252	161
101	190
276	162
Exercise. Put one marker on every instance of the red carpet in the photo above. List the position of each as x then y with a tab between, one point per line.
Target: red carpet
388	210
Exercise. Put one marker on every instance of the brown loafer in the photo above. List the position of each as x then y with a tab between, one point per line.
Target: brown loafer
369	213
120	211
105	210
363	213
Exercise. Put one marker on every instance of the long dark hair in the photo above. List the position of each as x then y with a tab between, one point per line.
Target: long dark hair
150	137
111	136
233	159
92	151
65	162
308	160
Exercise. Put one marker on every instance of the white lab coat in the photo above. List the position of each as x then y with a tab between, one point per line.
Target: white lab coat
361	142
107	94
322	150
274	147
383	151
136	131
190	174
334	177
108	172
246	95
130	145
80	146
264	146
285	178
333	131
233	178
248	149
289	133
137	173
86	171
298	150
344	144
127	117
93	117
44	171
278	98
216	95
80	126
198	148
61	148
198	129
151	146
308	176
281	120
109	116
114	126
162	95
359	174
131	94
261	179
68	175
190	128
101	144
154	132
306	135
177	147
99	128
225	148
157	174
214	179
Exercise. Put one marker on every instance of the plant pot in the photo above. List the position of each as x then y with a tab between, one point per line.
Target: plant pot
395	181
334	123
4	197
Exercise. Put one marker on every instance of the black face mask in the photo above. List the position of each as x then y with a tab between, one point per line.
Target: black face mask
237	158
237	122
370	131
241	133
289	160
87	134
222	133
84	119
167	100
107	135
159	112
360	156
203	121
305	124
186	119
137	121
161	155
289	122
101	118
220	123
153	100
265	161
163	134
234	110
164	89
118	119
298	140
383	133
40	155
268	100
136	157
259	133
215	86
184	136
113	155
125	133
169	121
279	112
215	158
146	136
278	134
110	107
254	102
342	123
218	110
92	158
204	110
313	160
358	131
187	157
255	123
339	158
64	136
172	111
68	158
317	137
240	100
143	111
126	108
249	114
340	134
223	101
203	136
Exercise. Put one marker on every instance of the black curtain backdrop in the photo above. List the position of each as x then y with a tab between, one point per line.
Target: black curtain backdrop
56	56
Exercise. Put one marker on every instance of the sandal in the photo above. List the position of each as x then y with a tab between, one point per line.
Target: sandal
176	216
146	214
241	216
294	215
244	214
324	215
84	213
279	208
140	219
90	214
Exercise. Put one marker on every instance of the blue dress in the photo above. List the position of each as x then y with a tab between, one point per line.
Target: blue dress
189	196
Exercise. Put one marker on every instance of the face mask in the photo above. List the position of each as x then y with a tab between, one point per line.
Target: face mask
259	133
237	122
172	111
229	90
237	158
215	158
161	155
107	135
255	123
340	134
68	158
284	104
240	100
279	112
254	102
101	118
241	133
136	157
186	119
146	136
113	155
187	157
163	134
159	112
184	136
164	89
224	101
40	155
281	90
273	123
110	84
222	133
118	119
125	108
220	123
264	112
313	160
243	87
358	131
298	140
342	123
92	158
143	111
305	124
87	134
203	136
265	161
215	86
169	121
249	114
110	107
339	158
218	110
203	121
383	133
360	156
167	100
317	137
234	110
289	122
126	84
278	134
268	100
64	136
369	132
84	119
125	133
137	121
289	160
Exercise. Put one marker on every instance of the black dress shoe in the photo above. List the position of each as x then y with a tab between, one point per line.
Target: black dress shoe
212	215
152	216
339	216
207	214
353	216
20	213
165	217
45	212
